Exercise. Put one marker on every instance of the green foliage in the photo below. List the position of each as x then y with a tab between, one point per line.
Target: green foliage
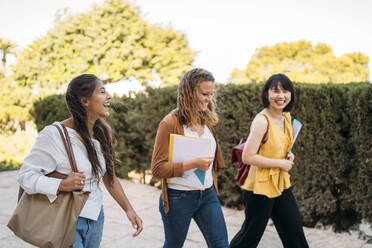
15	146
134	122
6	47
6	166
323	155
332	170
237	106
360	100
14	101
333	151
110	41
303	62
48	110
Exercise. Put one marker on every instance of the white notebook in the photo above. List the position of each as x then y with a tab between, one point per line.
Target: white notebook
184	148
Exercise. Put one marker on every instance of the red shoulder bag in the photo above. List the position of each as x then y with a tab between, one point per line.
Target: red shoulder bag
236	156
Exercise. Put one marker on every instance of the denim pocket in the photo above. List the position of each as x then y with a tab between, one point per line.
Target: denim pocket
175	194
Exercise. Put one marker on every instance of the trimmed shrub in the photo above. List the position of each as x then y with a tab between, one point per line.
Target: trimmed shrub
332	168
8	165
48	110
360	178
134	122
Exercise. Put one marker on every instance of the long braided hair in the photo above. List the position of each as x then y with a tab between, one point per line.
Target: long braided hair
80	87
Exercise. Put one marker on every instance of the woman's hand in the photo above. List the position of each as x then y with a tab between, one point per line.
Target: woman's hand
73	182
291	156
199	163
136	222
285	164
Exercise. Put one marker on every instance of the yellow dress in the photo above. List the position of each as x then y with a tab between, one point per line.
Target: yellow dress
272	181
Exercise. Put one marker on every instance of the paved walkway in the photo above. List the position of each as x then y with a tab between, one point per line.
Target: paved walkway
144	198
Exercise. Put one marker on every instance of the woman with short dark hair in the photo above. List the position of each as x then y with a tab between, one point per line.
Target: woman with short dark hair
267	189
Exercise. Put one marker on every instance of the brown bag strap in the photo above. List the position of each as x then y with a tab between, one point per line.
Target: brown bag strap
70	146
67	143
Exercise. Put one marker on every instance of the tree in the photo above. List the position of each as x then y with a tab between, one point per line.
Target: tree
111	41
6	47
14	104
303	62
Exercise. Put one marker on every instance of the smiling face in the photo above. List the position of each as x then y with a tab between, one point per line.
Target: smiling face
204	94
278	97
97	106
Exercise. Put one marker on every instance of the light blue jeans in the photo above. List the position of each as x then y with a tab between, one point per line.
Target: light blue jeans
89	232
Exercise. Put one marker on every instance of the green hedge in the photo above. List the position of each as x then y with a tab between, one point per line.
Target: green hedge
327	180
134	122
332	170
8	165
49	109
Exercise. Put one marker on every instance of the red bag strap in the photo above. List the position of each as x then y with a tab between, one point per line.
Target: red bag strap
267	130
67	143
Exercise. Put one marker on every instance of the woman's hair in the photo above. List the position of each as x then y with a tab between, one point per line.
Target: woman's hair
80	87
273	82
187	102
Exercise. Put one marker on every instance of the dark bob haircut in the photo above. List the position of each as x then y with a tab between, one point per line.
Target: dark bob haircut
273	82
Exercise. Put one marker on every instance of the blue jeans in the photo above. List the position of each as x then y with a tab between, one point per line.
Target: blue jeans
89	232
202	206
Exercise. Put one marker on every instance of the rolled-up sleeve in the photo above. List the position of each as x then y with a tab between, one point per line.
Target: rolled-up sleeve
41	161
160	165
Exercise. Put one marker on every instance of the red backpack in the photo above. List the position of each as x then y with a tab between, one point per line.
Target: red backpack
236	156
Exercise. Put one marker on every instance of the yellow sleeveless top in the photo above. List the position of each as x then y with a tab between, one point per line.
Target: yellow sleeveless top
272	181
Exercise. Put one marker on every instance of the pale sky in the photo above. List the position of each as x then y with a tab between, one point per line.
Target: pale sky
225	33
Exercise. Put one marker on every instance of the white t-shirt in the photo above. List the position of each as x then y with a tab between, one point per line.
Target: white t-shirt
208	175
48	155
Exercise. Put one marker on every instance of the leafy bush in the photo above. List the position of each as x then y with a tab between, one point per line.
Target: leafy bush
15	146
332	168
8	165
134	122
48	110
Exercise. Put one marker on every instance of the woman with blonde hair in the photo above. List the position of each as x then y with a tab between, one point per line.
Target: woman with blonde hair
195	116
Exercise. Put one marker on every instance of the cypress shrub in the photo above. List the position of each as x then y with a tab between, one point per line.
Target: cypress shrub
237	105
319	175
134	122
332	170
47	110
360	178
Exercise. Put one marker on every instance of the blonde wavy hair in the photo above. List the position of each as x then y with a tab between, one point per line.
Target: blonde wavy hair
188	111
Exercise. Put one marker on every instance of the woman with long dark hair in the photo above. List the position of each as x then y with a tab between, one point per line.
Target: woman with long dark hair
91	139
195	116
267	189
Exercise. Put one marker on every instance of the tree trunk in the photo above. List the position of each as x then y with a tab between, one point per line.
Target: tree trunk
4	65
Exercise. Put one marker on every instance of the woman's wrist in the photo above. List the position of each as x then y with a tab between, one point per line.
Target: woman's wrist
128	209
280	164
188	165
61	186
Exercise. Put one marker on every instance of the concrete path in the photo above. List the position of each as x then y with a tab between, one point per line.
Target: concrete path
144	198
